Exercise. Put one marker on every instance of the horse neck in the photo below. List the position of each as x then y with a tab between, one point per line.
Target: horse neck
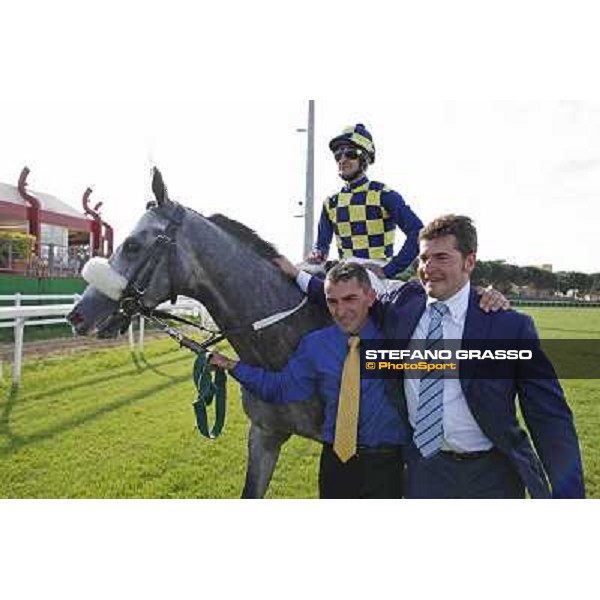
236	286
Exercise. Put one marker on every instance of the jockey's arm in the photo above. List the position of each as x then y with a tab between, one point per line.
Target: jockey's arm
324	236
408	222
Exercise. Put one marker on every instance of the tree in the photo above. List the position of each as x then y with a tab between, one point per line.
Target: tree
573	280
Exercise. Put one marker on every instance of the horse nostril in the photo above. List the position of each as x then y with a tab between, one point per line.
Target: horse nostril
75	318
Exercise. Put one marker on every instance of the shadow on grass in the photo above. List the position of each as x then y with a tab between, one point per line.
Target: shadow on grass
149	366
46	394
11	401
136	361
16	443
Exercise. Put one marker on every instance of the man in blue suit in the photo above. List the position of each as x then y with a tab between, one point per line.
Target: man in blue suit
467	441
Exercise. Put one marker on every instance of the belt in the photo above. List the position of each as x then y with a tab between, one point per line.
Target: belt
381	449
466	455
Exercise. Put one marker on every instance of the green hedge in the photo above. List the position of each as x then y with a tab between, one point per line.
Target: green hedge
22	245
11	284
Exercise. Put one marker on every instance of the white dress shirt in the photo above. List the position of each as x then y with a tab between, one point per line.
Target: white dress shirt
461	432
302	280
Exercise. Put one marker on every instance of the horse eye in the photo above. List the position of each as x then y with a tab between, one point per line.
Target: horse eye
131	246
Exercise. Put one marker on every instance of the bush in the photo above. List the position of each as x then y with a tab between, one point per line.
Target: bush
15	244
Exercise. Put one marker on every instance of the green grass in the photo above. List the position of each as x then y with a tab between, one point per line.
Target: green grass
583	395
566	323
106	424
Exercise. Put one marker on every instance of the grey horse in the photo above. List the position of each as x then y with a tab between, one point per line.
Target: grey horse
229	269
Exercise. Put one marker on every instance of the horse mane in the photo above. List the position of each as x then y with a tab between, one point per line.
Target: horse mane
246	236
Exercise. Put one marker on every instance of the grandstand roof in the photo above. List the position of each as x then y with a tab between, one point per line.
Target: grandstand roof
54	211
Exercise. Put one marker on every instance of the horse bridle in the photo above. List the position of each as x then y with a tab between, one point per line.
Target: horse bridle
131	301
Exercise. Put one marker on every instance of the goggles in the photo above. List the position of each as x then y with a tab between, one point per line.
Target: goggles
348	152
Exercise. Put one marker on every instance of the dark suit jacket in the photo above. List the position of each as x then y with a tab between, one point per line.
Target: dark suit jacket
554	468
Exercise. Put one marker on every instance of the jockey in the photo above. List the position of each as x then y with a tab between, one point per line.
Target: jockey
364	214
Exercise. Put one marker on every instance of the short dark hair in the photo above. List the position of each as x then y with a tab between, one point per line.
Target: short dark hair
345	271
461	227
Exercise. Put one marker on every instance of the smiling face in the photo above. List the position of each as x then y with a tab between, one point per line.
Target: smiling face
349	303
443	270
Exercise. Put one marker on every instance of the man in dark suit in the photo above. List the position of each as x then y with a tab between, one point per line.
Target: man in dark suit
467	441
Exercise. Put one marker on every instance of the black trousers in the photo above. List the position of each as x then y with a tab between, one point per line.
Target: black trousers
371	473
490	476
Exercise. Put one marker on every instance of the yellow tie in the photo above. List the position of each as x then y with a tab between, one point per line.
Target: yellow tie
346	425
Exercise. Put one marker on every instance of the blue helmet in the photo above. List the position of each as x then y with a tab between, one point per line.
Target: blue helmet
356	135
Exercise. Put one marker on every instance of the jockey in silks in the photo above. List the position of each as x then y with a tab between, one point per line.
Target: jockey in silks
364	214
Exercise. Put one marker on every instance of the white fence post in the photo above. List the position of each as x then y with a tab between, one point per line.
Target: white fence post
17	363
76	299
141	334
17	303
131	340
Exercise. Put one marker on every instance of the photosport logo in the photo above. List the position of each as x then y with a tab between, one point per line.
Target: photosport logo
422	366
482	359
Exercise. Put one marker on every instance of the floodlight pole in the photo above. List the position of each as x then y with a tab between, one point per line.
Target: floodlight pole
310	181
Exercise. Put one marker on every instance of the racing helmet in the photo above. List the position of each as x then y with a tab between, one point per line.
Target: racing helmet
358	136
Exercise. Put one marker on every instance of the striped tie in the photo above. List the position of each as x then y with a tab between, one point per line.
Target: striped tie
346	425
429	427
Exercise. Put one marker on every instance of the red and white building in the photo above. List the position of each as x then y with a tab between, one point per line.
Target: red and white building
64	237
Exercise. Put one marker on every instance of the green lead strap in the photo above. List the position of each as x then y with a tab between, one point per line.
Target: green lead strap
207	390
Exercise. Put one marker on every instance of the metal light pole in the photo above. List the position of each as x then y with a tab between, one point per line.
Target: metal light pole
310	180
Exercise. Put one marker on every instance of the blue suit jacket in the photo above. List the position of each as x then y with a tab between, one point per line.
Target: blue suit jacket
554	468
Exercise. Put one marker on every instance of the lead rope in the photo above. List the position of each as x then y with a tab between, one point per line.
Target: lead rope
209	390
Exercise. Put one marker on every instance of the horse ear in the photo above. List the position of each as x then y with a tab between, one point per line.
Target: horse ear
159	188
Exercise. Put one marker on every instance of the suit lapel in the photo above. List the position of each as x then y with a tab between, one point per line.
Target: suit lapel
405	321
400	325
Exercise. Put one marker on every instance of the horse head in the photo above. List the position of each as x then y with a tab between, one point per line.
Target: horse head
139	276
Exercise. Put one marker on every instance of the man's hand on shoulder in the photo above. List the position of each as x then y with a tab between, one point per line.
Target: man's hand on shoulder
492	300
316	257
286	266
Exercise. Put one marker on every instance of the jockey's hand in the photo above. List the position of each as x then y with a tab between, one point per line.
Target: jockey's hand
492	300
219	360
286	266
375	269
316	257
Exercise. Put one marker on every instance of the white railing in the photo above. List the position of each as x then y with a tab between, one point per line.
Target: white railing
18	317
19	299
